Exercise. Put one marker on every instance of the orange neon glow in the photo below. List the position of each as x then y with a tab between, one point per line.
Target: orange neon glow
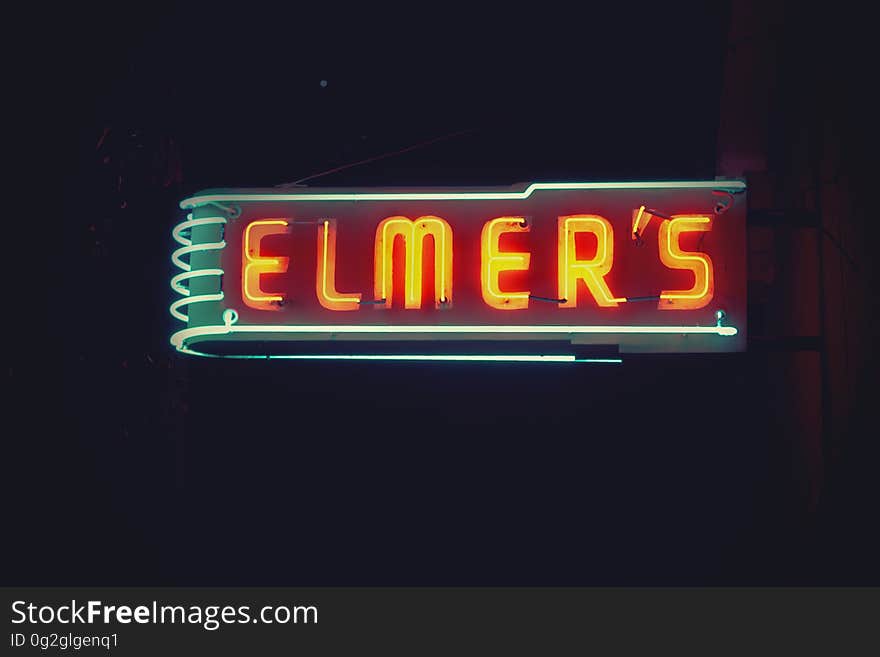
255	265
414	234
592	271
325	281
673	257
637	220
495	262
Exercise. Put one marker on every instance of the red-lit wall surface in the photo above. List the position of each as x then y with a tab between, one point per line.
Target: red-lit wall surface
791	123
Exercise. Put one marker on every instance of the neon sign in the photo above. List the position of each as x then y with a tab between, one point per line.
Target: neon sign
648	266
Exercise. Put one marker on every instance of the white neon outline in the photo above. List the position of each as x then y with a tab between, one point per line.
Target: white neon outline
188	248
179	338
186	275
505	358
177	231
195	201
186	301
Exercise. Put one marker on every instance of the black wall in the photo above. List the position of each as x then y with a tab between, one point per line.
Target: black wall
155	468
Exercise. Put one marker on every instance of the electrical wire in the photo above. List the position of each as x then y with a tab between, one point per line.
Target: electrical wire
377	157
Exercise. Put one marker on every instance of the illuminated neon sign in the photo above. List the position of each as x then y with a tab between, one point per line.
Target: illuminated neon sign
653	266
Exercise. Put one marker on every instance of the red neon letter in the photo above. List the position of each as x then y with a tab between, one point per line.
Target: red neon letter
495	262
591	272
673	257
414	234
325	281
253	265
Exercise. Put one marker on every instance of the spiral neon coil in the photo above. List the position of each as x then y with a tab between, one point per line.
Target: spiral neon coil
187	248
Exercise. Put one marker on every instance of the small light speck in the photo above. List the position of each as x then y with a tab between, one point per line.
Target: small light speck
323	83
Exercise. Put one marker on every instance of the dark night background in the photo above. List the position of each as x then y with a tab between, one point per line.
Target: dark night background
134	465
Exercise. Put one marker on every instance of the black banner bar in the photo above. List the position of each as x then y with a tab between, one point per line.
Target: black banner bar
452	621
